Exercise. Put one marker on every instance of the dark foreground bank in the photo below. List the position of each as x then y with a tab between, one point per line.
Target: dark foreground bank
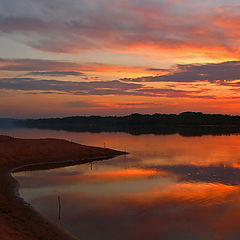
18	220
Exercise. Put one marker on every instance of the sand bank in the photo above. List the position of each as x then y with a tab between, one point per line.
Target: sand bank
18	220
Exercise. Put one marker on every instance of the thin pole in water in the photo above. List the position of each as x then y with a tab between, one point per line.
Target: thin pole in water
125	158
59	208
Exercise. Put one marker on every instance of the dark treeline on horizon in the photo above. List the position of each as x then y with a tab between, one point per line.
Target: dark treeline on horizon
185	124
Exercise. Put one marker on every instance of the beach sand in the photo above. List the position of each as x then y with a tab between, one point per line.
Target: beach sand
18	220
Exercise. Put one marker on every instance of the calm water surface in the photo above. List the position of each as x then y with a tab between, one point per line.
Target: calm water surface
169	187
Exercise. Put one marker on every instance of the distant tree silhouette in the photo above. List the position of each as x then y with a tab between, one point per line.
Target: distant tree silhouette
186	124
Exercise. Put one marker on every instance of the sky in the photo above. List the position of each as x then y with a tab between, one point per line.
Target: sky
100	57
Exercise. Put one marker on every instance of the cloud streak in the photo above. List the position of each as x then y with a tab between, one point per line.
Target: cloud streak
57	68
55	74
53	26
225	74
212	72
98	88
27	84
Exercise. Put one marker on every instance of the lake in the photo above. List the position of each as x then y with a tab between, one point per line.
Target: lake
169	187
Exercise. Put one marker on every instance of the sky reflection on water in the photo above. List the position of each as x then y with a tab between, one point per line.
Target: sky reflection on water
169	187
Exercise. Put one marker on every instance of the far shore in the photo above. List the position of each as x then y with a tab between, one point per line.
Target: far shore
18	220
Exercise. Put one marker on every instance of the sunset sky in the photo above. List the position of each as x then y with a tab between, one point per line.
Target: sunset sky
102	57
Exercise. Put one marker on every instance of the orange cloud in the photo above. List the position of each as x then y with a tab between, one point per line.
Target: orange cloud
54	68
166	26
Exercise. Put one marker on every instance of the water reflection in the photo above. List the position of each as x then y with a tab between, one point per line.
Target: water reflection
169	187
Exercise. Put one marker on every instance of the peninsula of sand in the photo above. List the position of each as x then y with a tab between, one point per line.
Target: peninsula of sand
18	220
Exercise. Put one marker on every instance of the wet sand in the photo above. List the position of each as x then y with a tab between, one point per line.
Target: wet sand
18	220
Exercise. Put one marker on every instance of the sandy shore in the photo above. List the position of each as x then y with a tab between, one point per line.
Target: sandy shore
17	219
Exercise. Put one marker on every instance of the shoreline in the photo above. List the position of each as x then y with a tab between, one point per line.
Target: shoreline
53	165
18	220
48	228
